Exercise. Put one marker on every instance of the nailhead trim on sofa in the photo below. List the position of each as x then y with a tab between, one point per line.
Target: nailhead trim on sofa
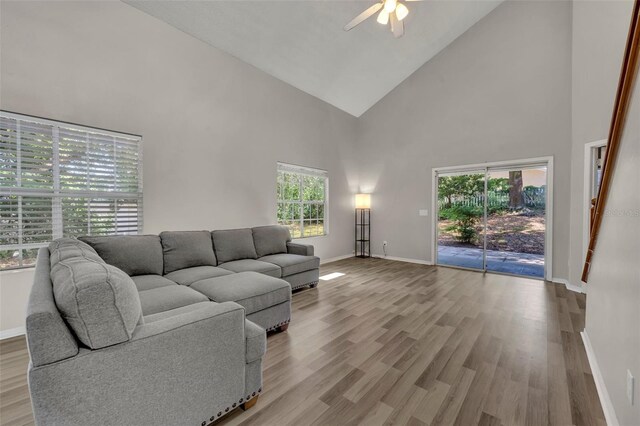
312	284
234	405
275	327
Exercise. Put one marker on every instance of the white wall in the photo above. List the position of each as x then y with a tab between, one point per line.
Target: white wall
213	126
501	91
613	298
14	292
599	35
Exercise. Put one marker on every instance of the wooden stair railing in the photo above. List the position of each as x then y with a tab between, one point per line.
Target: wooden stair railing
618	119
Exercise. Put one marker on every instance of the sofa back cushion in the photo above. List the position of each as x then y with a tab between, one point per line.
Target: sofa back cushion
270	239
185	249
134	254
68	248
234	244
98	301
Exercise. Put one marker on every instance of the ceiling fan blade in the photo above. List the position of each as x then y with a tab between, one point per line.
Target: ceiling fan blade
397	27
364	15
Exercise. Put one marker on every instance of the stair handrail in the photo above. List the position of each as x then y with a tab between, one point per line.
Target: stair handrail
620	108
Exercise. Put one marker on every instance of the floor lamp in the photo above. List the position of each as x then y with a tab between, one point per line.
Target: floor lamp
363	225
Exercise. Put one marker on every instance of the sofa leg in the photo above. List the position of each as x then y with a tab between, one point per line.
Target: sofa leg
284	327
249	403
313	285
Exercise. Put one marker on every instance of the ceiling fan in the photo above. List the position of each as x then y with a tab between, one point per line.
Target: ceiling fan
393	11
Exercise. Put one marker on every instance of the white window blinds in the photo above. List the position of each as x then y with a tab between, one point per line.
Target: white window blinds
59	179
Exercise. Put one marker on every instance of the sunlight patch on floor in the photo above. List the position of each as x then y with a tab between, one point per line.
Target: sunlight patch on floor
331	276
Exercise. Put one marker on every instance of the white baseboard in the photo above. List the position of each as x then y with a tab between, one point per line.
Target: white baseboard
403	259
568	285
12	332
335	259
381	256
605	400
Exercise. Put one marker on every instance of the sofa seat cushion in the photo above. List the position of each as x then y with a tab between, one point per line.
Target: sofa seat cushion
134	254
256	341
292	263
250	265
189	276
98	301
177	312
270	239
233	244
166	298
252	290
147	282
184	249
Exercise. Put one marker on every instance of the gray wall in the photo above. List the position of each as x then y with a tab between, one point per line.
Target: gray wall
613	301
213	126
599	35
501	91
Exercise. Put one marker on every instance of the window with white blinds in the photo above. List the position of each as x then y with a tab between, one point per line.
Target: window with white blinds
59	179
303	195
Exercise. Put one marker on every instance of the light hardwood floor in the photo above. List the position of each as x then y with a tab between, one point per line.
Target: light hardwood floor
400	343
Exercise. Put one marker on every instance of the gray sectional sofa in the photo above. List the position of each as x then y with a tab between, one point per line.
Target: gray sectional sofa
167	329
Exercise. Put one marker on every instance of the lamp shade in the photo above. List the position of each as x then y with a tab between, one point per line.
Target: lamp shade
363	201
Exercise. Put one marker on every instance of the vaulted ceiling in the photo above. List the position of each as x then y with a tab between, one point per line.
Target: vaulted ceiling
303	44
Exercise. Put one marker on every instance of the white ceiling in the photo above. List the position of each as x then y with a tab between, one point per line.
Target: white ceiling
303	44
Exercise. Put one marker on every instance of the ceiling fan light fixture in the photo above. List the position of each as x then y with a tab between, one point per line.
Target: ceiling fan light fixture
383	17
401	11
390	5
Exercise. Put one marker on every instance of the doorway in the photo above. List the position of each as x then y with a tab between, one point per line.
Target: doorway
495	217
594	153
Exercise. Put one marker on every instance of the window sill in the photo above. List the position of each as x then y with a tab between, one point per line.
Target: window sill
309	237
17	270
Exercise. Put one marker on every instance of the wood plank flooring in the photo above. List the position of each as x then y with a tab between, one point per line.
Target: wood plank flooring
399	343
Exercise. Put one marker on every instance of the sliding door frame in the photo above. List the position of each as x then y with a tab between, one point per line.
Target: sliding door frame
539	161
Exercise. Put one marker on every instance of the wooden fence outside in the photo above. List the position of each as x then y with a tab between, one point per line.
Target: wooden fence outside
533	198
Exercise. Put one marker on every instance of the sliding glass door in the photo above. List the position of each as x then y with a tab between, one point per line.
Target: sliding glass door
493	219
515	228
460	230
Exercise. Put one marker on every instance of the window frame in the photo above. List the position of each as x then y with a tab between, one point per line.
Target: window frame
55	193
303	171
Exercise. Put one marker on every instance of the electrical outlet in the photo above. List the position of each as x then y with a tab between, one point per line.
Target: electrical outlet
423	212
630	386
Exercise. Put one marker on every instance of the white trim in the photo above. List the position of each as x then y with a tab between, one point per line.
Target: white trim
548	244
403	259
605	399
335	259
586	191
568	285
548	220
434	218
379	256
12	332
67	125
306	171
303	170
506	163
